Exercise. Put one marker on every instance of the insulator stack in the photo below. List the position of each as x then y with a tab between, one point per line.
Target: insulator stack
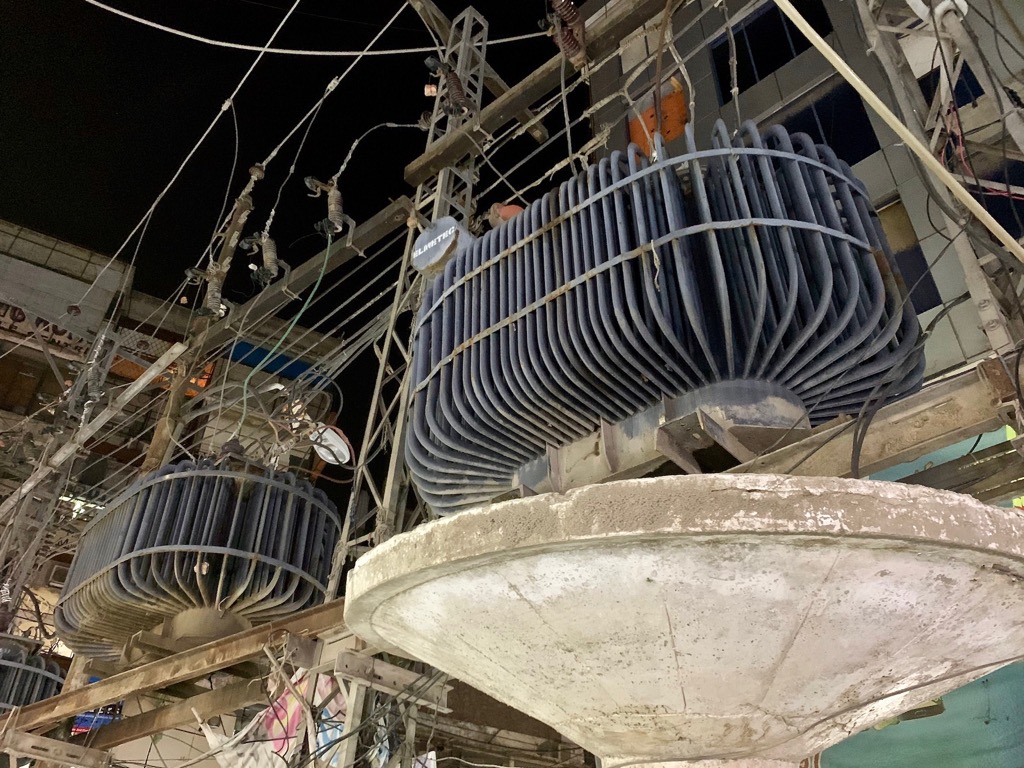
270	263
335	208
570	46
567	11
214	297
457	92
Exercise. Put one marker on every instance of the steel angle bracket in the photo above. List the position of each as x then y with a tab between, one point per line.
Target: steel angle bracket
403	684
39	748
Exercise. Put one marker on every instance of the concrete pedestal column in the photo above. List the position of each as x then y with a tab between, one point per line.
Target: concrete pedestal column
672	618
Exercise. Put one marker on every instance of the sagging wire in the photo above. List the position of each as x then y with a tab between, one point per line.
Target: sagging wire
601	137
370	719
876	399
214	279
294	321
367	132
309	116
863	356
285	51
127	469
336	310
963	153
610	57
224	107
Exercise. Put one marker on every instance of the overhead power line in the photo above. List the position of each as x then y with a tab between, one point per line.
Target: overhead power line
228	104
288	51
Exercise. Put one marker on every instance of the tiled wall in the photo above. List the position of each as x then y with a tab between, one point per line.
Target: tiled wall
44	251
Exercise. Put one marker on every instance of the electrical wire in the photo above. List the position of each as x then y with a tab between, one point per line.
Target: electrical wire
554	102
291	170
209	129
228	186
879	394
294	321
366	133
310	113
287	51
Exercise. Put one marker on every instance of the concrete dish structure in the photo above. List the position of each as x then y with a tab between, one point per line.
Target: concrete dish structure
736	621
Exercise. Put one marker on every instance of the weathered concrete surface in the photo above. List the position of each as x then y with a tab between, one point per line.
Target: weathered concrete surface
713	617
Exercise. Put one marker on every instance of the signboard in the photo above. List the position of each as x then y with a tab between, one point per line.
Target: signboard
15	320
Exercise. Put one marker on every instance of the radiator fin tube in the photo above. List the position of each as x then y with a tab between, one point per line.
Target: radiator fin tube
759	260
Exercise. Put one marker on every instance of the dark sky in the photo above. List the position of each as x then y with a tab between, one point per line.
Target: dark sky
96	113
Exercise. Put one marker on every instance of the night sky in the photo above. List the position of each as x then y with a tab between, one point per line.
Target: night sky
96	113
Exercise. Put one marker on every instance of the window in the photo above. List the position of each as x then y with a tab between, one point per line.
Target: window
1006	207
765	41
967	91
834	115
910	259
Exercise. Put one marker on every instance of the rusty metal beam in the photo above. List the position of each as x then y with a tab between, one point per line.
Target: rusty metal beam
936	417
188	665
219	701
51	751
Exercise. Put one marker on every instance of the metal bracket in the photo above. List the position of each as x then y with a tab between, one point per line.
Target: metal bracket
301	652
403	684
18	744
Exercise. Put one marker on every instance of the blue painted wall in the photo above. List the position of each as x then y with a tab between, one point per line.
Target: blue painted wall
982	727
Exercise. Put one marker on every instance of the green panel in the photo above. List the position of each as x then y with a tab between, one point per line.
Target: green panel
982	727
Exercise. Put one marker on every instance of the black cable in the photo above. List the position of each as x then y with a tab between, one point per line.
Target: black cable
975	446
368	720
899	308
874	404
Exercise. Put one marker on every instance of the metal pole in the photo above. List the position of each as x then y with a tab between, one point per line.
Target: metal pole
367	447
912	105
76	443
450	193
914	144
163	433
965	40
